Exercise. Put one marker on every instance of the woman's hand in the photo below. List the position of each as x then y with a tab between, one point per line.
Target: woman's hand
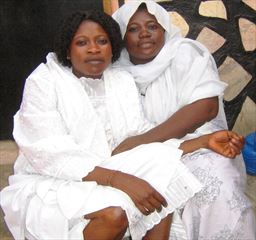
128	143
144	196
226	143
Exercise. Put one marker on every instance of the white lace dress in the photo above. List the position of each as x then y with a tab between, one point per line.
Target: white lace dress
65	127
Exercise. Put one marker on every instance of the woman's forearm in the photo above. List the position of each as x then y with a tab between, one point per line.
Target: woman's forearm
100	175
192	145
184	121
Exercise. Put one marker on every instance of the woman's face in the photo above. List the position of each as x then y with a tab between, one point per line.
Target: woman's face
90	50
144	37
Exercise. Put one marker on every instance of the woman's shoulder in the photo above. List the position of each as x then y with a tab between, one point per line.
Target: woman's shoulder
40	71
188	51
192	47
40	76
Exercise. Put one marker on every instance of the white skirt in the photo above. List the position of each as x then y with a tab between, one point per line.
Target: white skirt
41	207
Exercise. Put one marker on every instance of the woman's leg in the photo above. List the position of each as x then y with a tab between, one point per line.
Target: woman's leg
109	223
161	231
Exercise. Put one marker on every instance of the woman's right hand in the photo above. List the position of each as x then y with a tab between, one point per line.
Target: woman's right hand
144	196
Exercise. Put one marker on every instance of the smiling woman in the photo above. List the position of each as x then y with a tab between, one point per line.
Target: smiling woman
141	48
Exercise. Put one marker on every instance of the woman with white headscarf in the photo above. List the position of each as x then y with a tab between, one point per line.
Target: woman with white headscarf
181	92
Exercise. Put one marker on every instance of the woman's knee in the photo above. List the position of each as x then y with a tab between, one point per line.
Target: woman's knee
116	217
109	223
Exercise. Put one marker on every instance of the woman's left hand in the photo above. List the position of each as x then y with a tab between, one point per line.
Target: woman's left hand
226	143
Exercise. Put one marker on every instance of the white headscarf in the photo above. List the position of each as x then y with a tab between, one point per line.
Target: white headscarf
183	71
145	73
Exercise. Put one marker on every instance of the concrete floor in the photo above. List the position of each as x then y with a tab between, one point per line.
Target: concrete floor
8	154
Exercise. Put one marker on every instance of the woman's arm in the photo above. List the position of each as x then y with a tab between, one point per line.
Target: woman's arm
144	196
224	142
185	120
41	132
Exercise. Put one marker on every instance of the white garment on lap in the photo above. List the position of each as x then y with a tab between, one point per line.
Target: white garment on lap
156	163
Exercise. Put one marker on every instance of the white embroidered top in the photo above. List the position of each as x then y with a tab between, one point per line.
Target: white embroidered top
95	89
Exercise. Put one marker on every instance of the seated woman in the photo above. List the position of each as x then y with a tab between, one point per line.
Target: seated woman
182	94
75	110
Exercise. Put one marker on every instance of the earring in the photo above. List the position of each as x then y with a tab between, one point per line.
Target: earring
68	57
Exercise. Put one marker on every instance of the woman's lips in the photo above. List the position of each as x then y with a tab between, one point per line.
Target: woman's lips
94	61
145	44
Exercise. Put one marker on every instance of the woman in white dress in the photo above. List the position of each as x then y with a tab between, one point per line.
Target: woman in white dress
75	110
181	93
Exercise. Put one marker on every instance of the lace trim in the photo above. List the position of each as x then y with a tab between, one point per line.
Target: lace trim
184	188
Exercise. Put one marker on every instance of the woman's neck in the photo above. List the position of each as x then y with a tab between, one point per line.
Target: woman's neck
137	61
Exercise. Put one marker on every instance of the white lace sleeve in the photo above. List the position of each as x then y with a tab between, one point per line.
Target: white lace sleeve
42	136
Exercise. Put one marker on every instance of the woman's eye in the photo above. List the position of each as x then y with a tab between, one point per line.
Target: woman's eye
81	42
102	41
133	29
152	27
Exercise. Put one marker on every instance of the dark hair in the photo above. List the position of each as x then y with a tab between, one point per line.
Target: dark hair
70	25
142	6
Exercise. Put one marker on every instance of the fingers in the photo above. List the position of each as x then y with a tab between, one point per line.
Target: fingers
237	145
236	139
154	202
143	209
231	152
144	196
160	199
236	142
147	208
156	205
235	148
152	205
239	142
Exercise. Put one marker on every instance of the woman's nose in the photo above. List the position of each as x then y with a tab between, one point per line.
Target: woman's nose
93	48
144	33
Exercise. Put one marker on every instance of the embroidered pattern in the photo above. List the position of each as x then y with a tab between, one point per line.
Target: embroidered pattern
211	189
226	234
238	202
